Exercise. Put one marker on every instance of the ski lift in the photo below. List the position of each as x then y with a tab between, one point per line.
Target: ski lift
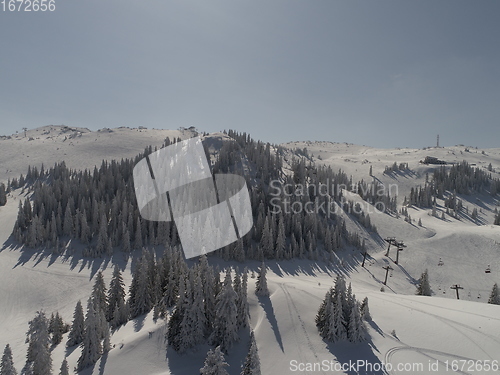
488	269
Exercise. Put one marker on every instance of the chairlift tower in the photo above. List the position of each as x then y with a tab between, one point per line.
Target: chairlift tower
456	287
387	269
391	241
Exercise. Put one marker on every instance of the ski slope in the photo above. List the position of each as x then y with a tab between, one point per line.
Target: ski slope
429	331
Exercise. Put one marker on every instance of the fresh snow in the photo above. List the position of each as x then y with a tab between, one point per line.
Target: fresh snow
405	328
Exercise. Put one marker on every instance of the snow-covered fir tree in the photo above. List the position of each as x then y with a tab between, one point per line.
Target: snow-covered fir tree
101	210
3	195
140	292
187	336
339	315
365	310
7	364
424	287
99	293
337	330
91	346
267	239
494	295
197	310
225	327
209	294
242	302
38	357
252	360
57	328
357	330
261	284
77	330
173	335
215	363
116	313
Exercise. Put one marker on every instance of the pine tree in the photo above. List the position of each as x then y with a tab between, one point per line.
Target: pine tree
252	361
38	358
3	195
323	314
215	363
209	292
338	323
365	310
126	242
280	239
242	305
261	284
77	330
141	294
185	338
64	368
102	237
100	301
174	323
120	314
116	298
91	349
225	329
138	235
239	252
494	295
357	330
197	311
424	288
57	328
7	364
267	242
68	222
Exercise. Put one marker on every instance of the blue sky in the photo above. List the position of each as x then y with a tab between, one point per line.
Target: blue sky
380	73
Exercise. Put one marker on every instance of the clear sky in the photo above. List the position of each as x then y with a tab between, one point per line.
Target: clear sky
380	73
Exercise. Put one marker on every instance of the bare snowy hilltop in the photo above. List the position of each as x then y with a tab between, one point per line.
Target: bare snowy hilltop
360	260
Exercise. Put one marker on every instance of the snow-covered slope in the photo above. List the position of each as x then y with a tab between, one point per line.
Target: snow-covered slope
79	148
426	329
466	248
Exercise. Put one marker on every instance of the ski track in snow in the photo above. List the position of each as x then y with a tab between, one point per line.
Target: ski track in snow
451	324
295	313
425	352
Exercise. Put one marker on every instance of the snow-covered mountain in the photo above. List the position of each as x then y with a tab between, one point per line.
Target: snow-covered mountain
426	334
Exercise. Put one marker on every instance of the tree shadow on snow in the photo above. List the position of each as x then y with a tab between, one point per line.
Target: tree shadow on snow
192	360
102	363
139	322
347	353
267	306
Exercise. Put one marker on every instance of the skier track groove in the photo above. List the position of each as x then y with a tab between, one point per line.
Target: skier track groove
291	305
449	322
423	351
